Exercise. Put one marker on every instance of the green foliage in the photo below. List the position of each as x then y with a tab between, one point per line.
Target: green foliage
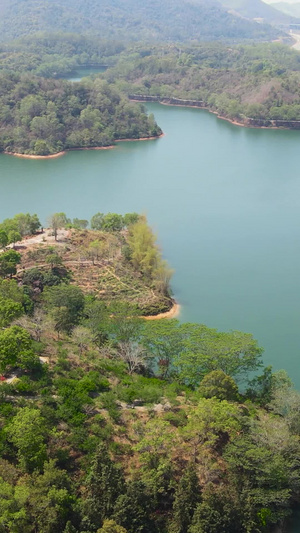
217	384
58	221
3	239
9	310
27	433
110	526
65	303
194	458
54	115
145	255
168	21
132	509
187	496
15	348
8	263
22	224
112	222
104	484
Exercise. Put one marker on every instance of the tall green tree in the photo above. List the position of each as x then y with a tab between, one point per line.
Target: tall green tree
65	304
187	496
27	432
104	483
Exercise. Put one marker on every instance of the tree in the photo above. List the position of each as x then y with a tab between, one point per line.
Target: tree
110	526
36	325
104	484
80	223
217	384
130	218
54	260
162	340
65	303
133	508
112	222
14	341
96	249
187	496
27	224
145	254
133	355
27	433
211	424
97	221
9	311
8	263
206	349
3	239
57	221
13	237
82	337
51	499
219	511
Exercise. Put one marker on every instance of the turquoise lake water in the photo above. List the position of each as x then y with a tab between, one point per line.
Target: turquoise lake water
224	201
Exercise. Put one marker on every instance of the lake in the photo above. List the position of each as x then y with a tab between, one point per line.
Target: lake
224	201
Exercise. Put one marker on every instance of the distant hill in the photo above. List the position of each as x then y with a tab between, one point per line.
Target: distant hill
163	20
288	9
257	9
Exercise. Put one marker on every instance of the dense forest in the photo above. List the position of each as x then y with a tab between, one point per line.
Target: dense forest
53	55
40	116
239	82
130	20
258	81
111	423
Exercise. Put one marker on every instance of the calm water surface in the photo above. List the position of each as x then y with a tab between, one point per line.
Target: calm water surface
82	72
225	202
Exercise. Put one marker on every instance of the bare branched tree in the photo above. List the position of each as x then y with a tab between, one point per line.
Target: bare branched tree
133	355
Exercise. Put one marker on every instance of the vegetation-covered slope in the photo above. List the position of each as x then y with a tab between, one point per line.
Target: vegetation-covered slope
113	424
166	20
257	9
57	54
42	117
257	81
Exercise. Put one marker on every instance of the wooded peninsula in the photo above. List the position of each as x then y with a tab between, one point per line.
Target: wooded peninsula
114	424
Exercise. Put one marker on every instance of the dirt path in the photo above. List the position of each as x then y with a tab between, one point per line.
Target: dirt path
41	238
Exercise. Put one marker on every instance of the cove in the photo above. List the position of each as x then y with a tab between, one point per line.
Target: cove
82	72
225	202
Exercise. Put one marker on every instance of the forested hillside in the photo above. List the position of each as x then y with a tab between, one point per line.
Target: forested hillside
257	9
258	81
42	117
113	424
57	54
160	20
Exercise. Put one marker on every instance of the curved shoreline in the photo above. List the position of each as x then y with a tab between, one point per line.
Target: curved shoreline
64	152
172	313
231	121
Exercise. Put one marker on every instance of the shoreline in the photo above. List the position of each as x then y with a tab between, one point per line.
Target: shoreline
172	313
64	152
231	121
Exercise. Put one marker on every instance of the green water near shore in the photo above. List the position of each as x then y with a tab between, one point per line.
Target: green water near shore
225	202
83	72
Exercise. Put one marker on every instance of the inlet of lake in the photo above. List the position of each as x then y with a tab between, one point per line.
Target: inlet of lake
224	202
